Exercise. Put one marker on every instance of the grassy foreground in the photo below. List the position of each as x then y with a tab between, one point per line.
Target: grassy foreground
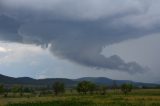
147	97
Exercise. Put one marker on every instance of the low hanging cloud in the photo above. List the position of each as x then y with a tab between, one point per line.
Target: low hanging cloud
79	30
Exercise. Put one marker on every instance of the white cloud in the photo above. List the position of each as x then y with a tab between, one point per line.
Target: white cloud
14	52
2	49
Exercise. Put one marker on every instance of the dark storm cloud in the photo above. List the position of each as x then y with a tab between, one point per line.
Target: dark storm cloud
77	30
8	29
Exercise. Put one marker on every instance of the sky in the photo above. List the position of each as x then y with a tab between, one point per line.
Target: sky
76	38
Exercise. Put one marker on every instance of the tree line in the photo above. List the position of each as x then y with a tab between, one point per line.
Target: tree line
83	87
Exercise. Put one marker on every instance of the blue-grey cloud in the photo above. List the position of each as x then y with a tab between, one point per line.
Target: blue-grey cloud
8	29
78	30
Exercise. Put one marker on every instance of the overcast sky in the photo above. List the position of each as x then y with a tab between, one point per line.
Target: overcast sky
118	39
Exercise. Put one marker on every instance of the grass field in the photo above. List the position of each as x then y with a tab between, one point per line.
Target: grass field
145	97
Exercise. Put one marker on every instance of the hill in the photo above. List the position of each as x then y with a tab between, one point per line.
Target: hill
26	81
110	82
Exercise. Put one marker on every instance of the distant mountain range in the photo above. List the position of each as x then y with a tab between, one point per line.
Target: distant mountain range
26	81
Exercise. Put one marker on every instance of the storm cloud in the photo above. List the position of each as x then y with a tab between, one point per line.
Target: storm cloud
79	30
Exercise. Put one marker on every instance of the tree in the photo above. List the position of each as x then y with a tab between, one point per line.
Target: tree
114	85
18	89
92	87
126	88
103	89
58	87
1	89
83	87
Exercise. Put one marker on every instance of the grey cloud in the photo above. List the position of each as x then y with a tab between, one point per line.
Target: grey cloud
9	28
76	34
72	9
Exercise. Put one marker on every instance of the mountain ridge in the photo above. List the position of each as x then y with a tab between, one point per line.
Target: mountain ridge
68	82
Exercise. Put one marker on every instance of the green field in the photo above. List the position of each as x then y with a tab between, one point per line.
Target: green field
145	97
